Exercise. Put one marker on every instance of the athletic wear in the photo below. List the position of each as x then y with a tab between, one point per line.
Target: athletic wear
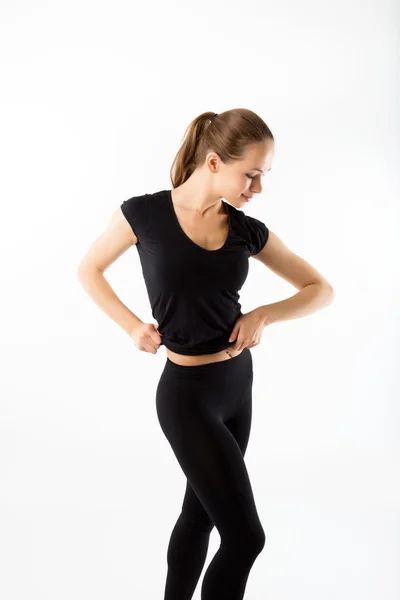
193	292
205	412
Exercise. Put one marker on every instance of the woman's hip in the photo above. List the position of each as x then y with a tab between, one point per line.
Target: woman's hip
216	388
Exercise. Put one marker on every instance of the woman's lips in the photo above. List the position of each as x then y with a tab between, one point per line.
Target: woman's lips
247	198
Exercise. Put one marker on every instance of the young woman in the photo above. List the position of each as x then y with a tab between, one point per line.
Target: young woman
194	250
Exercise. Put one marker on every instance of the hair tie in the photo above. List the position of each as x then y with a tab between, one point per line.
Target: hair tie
213	117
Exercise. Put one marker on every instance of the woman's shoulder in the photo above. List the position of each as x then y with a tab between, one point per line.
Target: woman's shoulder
253	229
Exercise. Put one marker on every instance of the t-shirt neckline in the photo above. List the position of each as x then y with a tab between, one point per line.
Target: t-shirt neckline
175	217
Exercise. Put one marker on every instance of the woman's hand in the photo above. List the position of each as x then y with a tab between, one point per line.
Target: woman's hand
248	330
146	337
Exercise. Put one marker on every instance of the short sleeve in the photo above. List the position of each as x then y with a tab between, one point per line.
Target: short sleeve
259	233
136	211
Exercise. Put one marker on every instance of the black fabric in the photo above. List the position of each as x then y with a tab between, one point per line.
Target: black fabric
205	412
193	292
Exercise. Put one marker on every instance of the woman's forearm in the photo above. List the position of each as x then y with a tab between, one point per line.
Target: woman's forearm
99	289
308	300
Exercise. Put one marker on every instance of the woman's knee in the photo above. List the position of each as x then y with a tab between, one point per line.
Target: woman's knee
196	523
259	540
250	541
256	540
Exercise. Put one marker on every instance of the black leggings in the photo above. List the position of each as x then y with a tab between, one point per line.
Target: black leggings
205	413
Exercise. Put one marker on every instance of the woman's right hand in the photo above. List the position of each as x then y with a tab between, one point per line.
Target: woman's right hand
146	337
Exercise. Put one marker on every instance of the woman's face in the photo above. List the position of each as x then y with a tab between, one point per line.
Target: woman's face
244	177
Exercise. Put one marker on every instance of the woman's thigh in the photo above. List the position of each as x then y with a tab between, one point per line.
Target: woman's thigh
239	426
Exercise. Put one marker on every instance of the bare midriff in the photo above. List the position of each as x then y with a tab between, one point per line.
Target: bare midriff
200	359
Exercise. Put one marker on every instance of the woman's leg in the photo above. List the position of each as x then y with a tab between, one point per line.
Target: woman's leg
206	417
187	548
188	545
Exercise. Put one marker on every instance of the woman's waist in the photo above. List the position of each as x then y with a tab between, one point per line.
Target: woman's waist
201	359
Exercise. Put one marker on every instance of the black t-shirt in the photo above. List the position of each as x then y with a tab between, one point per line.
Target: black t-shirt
193	292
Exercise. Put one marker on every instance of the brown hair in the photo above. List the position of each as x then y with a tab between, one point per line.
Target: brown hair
228	134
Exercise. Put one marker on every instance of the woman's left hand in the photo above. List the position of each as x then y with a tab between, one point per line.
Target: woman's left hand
248	330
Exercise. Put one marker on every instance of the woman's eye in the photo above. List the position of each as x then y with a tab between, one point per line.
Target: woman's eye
249	176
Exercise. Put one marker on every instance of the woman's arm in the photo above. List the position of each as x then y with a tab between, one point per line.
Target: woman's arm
112	243
315	292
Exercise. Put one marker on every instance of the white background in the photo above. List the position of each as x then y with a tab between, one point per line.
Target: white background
95	98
